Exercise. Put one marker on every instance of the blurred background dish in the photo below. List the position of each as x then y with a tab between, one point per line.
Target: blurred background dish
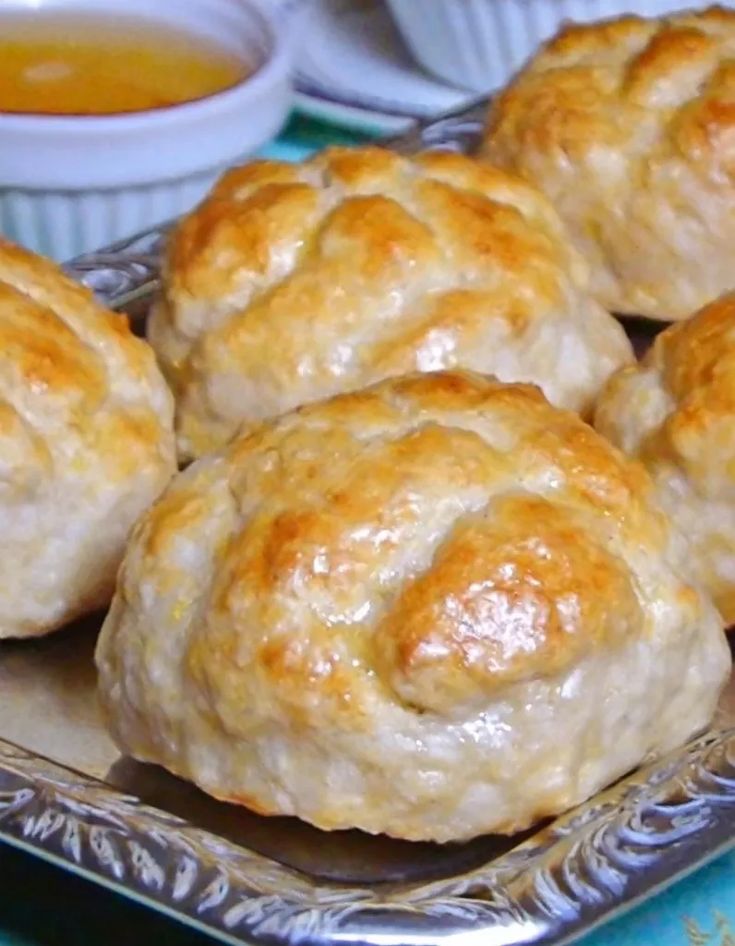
478	44
74	182
352	68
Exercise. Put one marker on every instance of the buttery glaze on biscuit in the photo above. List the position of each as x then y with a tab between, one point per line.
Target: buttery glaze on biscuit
86	444
676	412
433	608
628	126
295	282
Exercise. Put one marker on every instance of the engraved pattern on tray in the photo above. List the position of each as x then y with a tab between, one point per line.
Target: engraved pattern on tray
628	842
624	844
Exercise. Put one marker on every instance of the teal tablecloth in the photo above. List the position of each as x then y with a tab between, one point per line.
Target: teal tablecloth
41	905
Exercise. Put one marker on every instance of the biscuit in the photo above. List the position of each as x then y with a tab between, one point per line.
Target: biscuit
86	444
434	608
676	413
294	282
627	126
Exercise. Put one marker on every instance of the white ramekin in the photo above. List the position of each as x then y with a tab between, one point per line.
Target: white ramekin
479	44
72	184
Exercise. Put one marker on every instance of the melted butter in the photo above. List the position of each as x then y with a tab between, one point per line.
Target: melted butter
78	64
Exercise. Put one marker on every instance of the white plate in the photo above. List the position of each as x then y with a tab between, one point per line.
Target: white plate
352	69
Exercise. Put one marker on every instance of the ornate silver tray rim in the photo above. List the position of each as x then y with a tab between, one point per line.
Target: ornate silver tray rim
629	842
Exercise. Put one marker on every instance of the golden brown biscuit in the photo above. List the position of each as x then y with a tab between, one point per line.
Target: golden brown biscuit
86	443
433	608
628	126
676	412
296	282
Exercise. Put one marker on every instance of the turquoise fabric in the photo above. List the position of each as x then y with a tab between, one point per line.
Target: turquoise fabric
302	136
41	905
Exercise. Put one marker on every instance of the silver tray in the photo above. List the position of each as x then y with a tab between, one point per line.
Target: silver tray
67	795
